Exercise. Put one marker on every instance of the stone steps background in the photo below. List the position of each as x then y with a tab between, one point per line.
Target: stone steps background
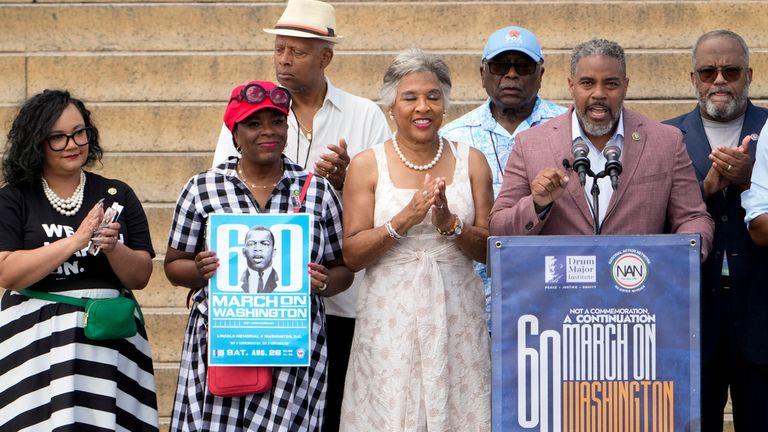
157	73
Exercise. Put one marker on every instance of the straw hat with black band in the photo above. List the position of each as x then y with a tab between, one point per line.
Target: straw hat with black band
307	19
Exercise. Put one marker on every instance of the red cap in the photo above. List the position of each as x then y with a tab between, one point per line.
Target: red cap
239	109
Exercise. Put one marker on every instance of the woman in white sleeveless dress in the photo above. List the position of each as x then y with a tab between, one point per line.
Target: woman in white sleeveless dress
416	215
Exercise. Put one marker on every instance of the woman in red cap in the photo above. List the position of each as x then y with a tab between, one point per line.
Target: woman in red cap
261	180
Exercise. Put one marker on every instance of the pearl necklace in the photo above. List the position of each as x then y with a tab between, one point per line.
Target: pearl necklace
410	164
66	206
249	184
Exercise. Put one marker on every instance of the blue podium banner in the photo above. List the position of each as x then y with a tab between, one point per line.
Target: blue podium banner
259	299
595	333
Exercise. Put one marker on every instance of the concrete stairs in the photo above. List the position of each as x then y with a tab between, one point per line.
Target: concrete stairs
157	75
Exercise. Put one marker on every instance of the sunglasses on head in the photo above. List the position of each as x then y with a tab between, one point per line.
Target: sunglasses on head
255	94
522	68
708	74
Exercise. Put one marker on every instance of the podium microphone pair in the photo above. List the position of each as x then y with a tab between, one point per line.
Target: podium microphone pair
581	163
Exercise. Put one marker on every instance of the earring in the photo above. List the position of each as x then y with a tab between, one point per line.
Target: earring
391	116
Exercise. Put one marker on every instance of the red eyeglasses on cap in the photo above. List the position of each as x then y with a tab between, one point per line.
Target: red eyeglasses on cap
255	96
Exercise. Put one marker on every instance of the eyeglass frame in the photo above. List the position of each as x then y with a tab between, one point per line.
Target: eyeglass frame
88	132
514	65
722	70
243	96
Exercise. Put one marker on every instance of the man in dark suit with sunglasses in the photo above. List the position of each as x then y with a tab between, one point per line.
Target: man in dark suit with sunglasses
734	295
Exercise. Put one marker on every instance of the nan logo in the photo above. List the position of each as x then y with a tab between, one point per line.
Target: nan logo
629	269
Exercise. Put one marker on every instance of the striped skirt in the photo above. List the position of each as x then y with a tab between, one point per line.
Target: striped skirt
54	378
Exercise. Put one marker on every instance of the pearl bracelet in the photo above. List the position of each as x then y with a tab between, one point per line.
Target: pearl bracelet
392	232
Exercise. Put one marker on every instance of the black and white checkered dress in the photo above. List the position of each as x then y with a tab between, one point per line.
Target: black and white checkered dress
297	399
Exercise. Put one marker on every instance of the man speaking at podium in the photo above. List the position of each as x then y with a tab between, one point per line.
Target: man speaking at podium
656	189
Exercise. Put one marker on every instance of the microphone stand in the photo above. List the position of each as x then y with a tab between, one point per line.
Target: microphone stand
595	192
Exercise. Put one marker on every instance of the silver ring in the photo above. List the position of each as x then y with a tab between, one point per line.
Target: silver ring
729	167
322	288
335	169
424	193
440	207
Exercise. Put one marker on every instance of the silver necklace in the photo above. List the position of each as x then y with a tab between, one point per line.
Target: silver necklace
66	206
412	165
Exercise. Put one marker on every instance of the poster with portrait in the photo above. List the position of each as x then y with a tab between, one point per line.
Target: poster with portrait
595	333
259	299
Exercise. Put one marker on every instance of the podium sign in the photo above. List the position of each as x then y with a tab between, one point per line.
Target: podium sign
595	333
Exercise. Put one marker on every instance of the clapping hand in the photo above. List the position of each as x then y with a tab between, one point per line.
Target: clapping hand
333	165
442	218
89	225
733	164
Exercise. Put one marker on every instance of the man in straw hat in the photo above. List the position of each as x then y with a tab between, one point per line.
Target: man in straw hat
327	126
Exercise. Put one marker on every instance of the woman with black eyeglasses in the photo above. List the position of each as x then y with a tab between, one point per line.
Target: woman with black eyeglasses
261	180
53	377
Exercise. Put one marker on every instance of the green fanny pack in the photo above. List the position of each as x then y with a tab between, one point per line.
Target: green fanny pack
105	319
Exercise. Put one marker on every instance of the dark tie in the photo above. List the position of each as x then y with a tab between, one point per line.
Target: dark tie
261	282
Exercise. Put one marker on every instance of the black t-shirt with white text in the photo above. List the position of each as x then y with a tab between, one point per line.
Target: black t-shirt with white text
28	221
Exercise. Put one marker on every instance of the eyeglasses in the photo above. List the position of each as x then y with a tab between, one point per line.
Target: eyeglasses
522	68
60	141
708	74
255	94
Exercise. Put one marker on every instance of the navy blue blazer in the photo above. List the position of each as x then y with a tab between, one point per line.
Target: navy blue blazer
746	261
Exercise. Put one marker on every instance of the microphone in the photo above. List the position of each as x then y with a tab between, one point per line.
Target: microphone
580	160
612	153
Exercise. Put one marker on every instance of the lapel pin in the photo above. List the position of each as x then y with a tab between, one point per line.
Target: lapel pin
636	136
112	191
754	137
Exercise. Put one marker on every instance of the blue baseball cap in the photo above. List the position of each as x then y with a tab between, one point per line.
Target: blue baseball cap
513	39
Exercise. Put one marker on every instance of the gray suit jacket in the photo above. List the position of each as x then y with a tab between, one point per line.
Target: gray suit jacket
657	193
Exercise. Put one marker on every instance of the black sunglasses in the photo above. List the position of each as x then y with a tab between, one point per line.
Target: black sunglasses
708	74
255	94
522	68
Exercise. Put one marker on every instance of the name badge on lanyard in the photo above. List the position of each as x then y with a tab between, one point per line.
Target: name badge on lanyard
297	198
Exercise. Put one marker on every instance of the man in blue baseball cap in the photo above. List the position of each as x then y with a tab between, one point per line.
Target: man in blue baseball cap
511	70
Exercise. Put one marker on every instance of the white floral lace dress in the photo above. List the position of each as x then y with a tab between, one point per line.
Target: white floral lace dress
420	355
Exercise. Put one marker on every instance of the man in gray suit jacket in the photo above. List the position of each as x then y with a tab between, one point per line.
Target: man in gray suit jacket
657	191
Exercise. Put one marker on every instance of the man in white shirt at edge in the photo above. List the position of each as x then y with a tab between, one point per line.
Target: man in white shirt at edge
326	127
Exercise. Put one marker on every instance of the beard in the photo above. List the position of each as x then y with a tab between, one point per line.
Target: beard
595	129
732	109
